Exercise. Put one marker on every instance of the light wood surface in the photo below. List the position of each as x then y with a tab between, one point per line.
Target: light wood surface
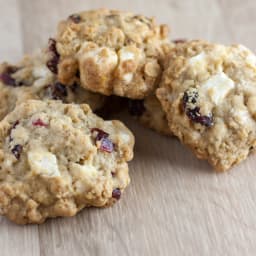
175	205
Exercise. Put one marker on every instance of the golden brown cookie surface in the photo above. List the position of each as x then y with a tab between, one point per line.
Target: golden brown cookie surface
208	93
56	159
31	79
115	52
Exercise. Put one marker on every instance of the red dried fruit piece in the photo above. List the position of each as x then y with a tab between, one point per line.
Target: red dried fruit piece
7	79
16	150
75	18
104	143
100	133
189	101
53	62
180	41
15	124
136	107
52	46
39	122
116	193
195	116
6	76
13	127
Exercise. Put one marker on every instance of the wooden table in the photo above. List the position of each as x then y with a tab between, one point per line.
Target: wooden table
175	205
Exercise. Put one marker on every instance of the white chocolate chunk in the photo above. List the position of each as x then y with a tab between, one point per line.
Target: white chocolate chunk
217	87
251	60
102	56
128	77
126	55
125	137
198	61
243	117
43	163
83	171
41	71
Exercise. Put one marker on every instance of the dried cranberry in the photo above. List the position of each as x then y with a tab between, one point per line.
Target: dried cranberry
116	193
52	46
6	76
52	63
179	41
136	107
75	18
13	127
105	144
39	122
100	134
15	124
7	79
17	149
189	101
58	91
195	116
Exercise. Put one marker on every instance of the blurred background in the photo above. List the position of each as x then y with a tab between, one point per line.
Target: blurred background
31	22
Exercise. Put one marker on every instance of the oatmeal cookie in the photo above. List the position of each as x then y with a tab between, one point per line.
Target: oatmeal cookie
31	79
112	52
56	159
208	92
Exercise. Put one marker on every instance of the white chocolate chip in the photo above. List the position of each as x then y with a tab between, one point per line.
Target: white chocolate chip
43	163
101	56
251	60
125	137
126	55
217	87
128	77
41	71
243	117
198	61
83	171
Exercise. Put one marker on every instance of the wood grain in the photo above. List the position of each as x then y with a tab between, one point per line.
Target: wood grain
176	205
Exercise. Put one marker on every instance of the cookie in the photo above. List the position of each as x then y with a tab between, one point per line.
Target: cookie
149	113
57	158
31	79
113	52
208	92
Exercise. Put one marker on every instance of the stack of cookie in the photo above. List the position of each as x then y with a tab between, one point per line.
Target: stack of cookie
57	156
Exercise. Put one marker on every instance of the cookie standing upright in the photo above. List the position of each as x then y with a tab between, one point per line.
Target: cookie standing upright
56	159
112	52
32	79
209	95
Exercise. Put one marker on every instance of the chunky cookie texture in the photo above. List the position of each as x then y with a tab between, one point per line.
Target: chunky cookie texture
208	92
31	79
56	159
113	52
149	113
